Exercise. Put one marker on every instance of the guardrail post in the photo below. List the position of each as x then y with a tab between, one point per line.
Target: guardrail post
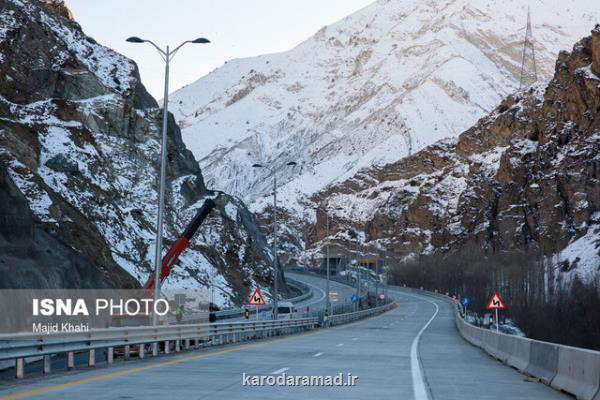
142	350
127	351
47	364
92	358
110	355
167	349
20	368
186	344
70	360
177	346
154	349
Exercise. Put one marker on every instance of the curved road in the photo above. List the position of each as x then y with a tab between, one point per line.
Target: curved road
317	284
411	352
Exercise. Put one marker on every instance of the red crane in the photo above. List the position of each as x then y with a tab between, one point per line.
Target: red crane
181	243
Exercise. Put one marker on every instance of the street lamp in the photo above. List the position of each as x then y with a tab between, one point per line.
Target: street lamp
274	227
328	300
167	56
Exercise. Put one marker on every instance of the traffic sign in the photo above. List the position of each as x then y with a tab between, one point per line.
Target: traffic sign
464	301
256	299
333	296
495	303
354	298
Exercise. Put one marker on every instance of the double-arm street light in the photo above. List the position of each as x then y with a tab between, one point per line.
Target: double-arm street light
328	300
167	55
274	217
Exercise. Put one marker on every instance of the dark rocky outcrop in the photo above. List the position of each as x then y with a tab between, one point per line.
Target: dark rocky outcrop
80	138
32	257
596	50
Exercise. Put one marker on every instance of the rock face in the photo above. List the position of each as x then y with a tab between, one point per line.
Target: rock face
596	50
31	256
79	136
527	176
60	7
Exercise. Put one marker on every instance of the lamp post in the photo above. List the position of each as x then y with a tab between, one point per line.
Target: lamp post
274	227
167	55
328	300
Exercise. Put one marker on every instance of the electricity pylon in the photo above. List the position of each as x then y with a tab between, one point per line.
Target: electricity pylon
528	66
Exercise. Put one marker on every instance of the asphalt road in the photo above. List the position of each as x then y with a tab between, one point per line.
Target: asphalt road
412	352
317	284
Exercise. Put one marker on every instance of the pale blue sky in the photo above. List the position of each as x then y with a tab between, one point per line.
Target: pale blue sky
237	28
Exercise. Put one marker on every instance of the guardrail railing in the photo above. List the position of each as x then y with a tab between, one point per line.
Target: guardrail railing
143	340
239	312
338	319
569	369
153	340
164	338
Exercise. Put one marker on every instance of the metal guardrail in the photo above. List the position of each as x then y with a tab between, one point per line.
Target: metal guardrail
338	319
569	369
239	312
154	339
20	346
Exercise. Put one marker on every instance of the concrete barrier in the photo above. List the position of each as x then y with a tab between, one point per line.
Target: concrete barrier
543	361
519	353
569	369
578	372
504	347
471	333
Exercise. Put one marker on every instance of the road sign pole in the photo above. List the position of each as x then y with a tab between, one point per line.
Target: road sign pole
256	312
497	321
328	300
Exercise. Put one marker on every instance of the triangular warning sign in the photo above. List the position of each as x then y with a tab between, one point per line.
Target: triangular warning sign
256	299
495	302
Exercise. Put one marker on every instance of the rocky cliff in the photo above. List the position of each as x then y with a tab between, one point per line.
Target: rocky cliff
79	137
527	176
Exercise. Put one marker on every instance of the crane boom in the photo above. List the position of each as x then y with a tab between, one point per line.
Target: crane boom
181	243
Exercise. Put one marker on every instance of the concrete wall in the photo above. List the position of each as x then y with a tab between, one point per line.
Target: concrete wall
570	369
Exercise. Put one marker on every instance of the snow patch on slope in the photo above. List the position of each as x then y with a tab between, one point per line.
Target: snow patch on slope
368	90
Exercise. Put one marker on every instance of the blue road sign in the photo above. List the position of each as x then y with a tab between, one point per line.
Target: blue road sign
354	299
464	301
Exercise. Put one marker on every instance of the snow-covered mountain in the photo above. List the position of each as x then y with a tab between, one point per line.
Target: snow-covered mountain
368	90
79	144
524	180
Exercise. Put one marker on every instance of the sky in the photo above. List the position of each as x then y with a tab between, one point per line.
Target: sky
236	29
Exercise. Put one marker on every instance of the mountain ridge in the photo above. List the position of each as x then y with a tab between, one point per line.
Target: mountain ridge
523	179
368	90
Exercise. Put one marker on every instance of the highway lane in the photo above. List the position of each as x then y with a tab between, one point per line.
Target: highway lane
452	368
314	303
317	284
382	352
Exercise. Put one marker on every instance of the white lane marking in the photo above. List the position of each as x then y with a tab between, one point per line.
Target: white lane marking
419	389
279	371
310	303
354	338
315	301
339	345
319	354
